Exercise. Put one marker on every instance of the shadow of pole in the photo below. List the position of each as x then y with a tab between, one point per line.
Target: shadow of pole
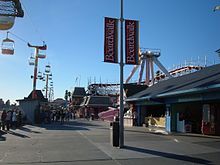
169	155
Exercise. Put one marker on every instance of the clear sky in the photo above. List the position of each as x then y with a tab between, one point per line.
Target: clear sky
74	33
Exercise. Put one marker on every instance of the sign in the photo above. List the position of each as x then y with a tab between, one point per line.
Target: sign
111	40
131	42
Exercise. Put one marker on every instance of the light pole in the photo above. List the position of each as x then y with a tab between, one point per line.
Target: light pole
215	9
121	119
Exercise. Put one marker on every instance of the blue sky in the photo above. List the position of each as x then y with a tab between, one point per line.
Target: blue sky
74	33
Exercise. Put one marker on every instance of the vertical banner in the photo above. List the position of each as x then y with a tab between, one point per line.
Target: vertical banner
111	40
131	42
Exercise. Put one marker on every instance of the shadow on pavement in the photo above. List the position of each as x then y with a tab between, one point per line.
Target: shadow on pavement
17	134
1	137
75	125
28	130
169	155
217	137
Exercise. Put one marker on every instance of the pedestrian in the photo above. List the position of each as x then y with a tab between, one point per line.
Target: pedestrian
14	119
62	116
8	120
3	118
19	122
74	115
134	118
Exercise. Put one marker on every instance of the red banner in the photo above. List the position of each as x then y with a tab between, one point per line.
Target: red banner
131	42
111	40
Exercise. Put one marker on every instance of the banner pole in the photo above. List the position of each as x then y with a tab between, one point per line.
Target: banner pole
121	120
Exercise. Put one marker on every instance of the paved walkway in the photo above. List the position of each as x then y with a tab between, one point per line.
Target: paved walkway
84	142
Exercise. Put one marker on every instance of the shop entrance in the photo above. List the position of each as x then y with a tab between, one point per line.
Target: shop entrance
211	119
187	117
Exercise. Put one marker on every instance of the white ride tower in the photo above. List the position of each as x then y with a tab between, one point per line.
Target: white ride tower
147	58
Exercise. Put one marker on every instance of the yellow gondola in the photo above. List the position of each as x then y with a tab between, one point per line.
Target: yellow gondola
6	22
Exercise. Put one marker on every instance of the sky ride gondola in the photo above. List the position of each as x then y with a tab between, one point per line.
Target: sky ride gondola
31	61
39	75
8	46
47	68
6	22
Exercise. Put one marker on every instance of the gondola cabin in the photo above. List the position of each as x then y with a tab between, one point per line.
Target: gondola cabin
6	22
39	75
42	52
31	61
47	69
41	56
8	46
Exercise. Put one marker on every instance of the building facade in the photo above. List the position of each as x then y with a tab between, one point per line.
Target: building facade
189	103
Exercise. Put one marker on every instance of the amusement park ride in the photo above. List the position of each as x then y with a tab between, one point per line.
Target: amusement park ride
149	57
9	10
39	53
7	46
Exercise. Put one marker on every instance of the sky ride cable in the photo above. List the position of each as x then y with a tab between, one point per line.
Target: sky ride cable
23	40
32	23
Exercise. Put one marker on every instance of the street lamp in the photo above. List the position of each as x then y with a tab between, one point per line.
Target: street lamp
121	110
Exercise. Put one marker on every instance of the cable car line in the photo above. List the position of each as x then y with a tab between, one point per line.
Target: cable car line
18	37
32	22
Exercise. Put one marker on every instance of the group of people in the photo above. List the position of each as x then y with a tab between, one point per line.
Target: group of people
57	115
11	119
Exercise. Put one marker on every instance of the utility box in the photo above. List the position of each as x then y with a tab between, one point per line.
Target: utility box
114	133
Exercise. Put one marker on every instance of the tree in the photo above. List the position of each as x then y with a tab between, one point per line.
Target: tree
66	95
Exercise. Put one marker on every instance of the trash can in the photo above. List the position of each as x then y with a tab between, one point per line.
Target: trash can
114	133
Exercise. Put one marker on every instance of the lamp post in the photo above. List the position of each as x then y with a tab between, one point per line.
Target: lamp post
121	110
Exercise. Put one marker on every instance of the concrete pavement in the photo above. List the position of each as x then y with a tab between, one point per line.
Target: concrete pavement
88	142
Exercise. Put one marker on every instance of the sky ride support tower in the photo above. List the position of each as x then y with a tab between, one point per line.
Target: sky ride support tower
37	55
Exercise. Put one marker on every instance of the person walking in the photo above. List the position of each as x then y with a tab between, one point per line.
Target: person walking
3	118
8	120
19	119
14	119
135	116
62	115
